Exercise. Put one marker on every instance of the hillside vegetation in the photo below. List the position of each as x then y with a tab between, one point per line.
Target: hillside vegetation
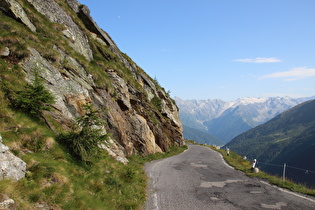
288	138
79	112
244	164
239	163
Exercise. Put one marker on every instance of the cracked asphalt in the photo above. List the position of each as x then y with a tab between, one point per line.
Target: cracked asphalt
199	178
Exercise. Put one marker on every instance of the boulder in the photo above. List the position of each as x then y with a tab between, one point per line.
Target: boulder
7	204
11	167
4	52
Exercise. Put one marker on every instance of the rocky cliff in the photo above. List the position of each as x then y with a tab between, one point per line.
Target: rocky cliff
80	64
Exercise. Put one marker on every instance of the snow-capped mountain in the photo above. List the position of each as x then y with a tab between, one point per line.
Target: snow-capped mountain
227	119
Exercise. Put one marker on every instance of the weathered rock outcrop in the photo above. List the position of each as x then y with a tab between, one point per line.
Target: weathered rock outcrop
56	14
14	9
11	167
89	68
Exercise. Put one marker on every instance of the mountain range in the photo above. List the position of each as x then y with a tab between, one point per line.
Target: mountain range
227	119
288	138
201	136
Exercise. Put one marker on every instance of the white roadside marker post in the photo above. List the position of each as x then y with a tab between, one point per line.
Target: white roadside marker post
283	175
254	168
254	163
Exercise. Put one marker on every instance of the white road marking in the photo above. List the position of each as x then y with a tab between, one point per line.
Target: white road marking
155	202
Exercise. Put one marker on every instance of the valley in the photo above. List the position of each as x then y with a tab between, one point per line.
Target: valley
226	120
288	138
79	119
275	131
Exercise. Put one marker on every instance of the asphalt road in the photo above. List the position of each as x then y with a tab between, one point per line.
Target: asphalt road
199	178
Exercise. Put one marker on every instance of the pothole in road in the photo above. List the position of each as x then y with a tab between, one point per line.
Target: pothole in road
214	196
254	188
253	185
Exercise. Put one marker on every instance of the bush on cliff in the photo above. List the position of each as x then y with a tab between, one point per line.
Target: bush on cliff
33	98
84	139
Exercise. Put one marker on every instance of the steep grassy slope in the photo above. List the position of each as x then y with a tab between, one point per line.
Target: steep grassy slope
288	138
55	60
79	64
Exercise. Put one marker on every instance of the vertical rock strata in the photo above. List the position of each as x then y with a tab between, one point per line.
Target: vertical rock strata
140	116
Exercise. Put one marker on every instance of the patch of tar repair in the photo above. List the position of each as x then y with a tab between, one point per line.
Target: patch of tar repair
275	206
196	165
219	184
256	192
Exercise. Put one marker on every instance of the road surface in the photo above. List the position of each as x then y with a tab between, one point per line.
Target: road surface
200	179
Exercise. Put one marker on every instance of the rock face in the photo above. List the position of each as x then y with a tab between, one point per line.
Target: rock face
14	8
85	66
11	167
56	14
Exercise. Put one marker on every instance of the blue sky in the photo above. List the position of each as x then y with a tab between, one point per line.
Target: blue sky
206	49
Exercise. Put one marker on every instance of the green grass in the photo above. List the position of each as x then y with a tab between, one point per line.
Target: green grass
54	178
239	163
57	180
18	38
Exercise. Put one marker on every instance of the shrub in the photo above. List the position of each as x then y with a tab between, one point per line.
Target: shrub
33	142
33	98
84	139
112	182
157	102
130	174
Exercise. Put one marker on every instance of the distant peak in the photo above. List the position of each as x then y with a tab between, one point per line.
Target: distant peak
251	100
